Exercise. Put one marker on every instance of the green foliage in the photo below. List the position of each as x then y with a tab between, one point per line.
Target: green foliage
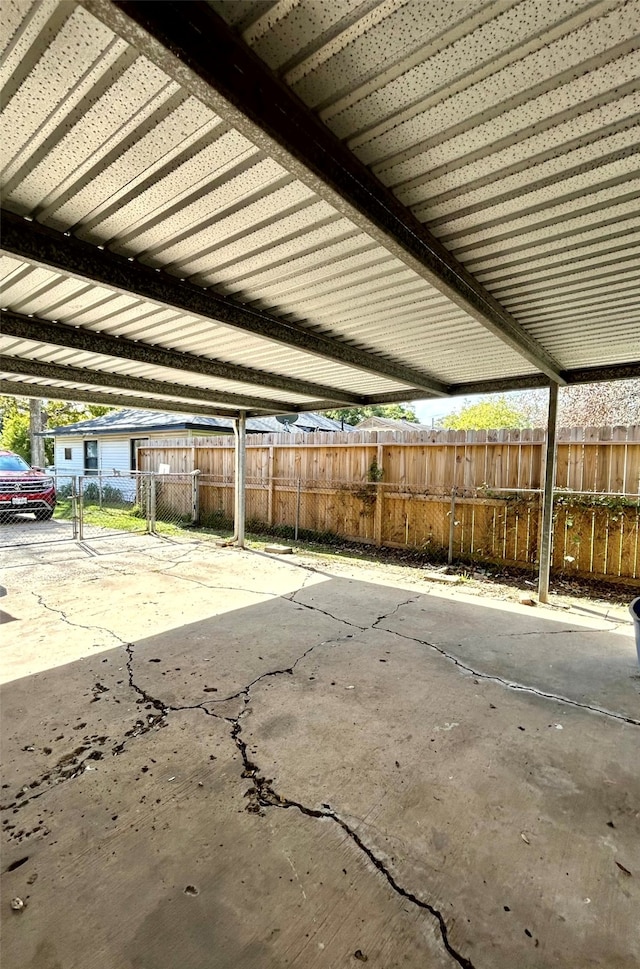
353	415
93	494
487	414
15	430
14	420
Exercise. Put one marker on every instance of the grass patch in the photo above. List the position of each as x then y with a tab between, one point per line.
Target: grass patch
112	517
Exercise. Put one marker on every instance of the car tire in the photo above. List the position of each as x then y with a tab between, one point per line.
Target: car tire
44	516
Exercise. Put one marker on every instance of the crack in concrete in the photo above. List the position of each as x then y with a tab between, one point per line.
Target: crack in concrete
511	684
69	767
154	721
552	632
244	692
502	681
374	624
70	622
262	793
207	585
304	605
264	796
57	775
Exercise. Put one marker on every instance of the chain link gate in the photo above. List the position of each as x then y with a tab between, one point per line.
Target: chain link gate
114	504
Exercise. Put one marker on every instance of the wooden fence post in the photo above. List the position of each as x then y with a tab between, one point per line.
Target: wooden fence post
271	486
377	522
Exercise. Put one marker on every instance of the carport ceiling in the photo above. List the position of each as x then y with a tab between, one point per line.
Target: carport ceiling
270	206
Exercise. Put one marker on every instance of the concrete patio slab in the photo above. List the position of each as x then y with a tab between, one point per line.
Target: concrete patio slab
214	758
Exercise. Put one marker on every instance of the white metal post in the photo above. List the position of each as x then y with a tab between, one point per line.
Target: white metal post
546	529
240	432
195	497
74	505
151	515
80	507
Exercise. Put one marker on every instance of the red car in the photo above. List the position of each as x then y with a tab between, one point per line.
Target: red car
23	488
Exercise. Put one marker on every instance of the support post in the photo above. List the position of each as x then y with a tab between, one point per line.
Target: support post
240	432
546	528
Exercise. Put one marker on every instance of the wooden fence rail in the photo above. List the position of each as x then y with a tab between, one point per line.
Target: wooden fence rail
385	489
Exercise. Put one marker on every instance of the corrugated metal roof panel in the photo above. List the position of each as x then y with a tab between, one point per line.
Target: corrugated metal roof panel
50	295
30	350
177	188
510	128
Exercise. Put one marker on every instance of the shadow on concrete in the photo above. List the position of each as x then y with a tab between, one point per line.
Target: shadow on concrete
344	774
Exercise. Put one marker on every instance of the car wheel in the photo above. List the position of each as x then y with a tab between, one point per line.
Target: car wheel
44	516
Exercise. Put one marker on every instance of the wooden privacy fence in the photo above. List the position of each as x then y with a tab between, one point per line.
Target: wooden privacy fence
474	495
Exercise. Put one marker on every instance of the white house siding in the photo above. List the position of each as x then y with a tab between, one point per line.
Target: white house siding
114	454
114	462
66	468
114	459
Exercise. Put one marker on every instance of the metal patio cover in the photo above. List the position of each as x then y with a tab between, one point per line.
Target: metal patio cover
280	206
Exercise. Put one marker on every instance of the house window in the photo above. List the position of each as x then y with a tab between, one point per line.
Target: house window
90	457
137	442
67	454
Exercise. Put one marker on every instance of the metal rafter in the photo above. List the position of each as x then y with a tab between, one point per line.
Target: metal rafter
196	48
46	247
28	367
22	389
91	341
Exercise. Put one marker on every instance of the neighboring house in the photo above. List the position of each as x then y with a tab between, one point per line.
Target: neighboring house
109	443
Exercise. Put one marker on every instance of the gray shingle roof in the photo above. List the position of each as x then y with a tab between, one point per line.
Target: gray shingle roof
133	421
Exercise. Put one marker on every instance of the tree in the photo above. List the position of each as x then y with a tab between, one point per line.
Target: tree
15	422
37	424
487	413
616	402
15	427
353	415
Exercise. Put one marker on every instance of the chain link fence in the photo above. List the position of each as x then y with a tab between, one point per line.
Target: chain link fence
595	534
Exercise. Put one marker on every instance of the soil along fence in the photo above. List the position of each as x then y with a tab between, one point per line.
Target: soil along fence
468	495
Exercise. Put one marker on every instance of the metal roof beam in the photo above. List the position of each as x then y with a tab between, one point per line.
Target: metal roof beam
28	367
92	341
582	375
196	48
45	391
45	247
594	375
